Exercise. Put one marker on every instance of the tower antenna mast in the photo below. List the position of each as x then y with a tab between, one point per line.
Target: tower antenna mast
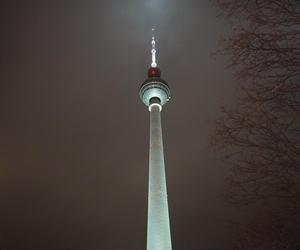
153	50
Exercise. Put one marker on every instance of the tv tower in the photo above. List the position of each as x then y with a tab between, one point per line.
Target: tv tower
155	92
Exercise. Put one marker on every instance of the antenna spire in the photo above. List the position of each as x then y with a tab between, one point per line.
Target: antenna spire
153	50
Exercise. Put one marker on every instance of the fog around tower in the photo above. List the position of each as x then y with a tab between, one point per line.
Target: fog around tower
74	134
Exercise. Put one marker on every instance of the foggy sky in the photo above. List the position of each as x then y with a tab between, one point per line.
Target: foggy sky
74	134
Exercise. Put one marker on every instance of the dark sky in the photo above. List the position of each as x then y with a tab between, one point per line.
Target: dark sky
74	134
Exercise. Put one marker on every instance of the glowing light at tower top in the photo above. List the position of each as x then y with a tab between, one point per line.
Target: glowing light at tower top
153	51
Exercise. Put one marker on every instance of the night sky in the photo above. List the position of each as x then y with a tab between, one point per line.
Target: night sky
74	133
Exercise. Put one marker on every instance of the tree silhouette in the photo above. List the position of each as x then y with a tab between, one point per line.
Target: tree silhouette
261	137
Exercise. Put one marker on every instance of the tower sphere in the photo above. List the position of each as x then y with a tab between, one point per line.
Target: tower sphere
154	72
154	89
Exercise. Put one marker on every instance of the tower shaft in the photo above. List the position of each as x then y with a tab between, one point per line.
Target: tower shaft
158	235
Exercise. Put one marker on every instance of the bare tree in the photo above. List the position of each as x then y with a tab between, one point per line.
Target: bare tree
261	137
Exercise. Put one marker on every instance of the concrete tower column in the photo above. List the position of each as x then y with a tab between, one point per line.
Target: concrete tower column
158	235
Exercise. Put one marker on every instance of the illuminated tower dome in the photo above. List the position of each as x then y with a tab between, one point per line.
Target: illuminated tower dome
154	93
